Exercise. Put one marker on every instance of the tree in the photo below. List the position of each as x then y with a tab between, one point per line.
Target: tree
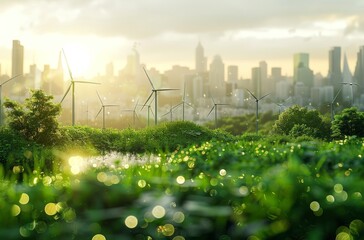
36	119
299	120
349	123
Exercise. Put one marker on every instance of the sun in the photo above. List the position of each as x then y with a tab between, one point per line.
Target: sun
79	60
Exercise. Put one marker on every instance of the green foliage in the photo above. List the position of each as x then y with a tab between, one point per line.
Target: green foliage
349	122
36	119
162	138
252	188
242	124
299	121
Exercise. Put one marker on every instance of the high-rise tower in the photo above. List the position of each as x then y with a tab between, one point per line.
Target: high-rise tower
216	77
200	60
300	60
335	75
359	70
17	59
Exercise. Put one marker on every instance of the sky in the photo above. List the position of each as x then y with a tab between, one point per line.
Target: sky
166	32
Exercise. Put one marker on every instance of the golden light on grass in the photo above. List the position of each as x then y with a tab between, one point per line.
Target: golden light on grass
158	211
77	164
99	237
24	199
131	221
50	209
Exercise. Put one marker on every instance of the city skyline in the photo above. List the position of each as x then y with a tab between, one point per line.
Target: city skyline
94	33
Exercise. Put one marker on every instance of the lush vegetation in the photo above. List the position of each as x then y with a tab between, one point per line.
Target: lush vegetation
183	181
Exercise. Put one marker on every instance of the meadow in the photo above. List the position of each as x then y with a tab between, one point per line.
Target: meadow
193	183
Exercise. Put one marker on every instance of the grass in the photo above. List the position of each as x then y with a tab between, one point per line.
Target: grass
203	185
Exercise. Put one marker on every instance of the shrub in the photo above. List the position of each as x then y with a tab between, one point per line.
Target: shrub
349	123
36	119
302	121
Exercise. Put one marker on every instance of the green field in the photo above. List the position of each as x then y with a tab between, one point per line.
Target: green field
192	183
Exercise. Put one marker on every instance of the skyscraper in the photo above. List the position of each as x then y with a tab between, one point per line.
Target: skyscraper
216	77
256	81
232	79
300	60
200	60
17	59
359	70
334	74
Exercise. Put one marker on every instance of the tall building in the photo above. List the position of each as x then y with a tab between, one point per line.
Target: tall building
17	59
302	60
52	80
232	79
200	59
256	82
266	87
359	70
18	90
334	75
217	77
348	91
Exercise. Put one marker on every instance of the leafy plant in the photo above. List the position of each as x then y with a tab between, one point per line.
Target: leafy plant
36	119
349	122
302	121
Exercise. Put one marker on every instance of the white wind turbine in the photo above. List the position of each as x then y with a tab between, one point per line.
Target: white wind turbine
102	108
155	93
72	85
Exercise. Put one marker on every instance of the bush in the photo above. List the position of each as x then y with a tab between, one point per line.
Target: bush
36	119
349	123
303	122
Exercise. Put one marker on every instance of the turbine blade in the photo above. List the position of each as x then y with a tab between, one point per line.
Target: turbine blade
10	79
68	67
252	94
263	96
87	82
98	112
184	91
99	97
166	89
136	104
150	81
69	88
147	101
211	110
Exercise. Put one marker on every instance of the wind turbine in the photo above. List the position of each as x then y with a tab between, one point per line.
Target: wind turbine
155	92
281	105
1	104
183	102
215	107
170	112
337	94
103	106
149	110
72	85
257	110
132	110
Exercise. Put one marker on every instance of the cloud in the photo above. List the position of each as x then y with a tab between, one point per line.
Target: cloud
149	18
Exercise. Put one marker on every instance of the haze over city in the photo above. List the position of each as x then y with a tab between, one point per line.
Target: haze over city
94	33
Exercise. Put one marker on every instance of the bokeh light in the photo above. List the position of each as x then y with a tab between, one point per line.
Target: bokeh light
158	211
131	221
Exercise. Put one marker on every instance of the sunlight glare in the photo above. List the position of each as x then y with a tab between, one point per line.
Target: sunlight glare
79	60
77	164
